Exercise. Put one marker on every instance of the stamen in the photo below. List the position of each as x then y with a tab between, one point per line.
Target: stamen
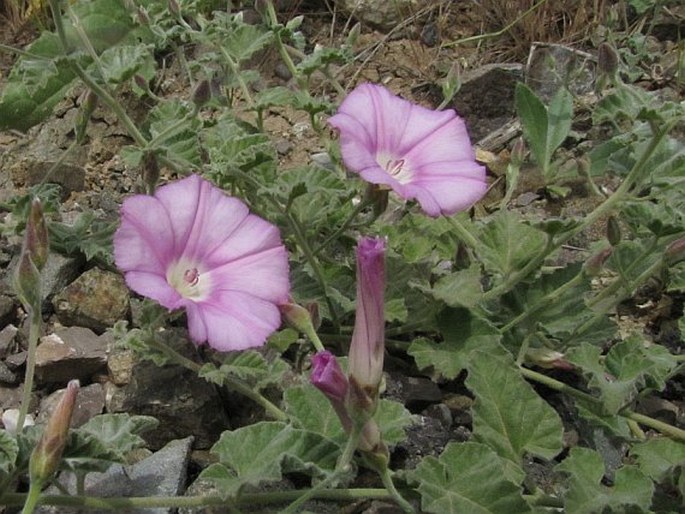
191	276
394	167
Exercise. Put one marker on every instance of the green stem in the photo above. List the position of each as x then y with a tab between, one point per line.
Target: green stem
283	52
34	332
394	493
230	382
359	208
466	236
33	497
148	502
660	426
23	53
235	70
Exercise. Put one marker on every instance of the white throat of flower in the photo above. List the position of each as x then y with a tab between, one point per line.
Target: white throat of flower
399	169
189	280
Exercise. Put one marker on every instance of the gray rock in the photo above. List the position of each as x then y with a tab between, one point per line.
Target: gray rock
7	310
7	340
97	299
7	376
161	474
58	272
90	402
120	366
381	14
10	398
16	360
72	352
184	403
552	66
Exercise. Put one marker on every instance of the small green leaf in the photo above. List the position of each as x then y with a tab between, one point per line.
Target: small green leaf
9	450
459	289
508	414
463	333
302	401
659	458
467	478
586	494
560	115
534	122
120	63
119	432
393	419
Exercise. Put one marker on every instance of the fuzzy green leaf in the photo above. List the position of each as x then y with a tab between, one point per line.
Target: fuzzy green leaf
463	333
120	63
264	451
459	289
508	414
119	432
9	450
534	122
586	494
659	458
467	477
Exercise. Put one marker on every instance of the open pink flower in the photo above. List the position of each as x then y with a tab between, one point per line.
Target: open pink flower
419	153
190	246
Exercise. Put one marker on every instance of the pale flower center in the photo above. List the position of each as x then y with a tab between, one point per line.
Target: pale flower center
398	168
188	281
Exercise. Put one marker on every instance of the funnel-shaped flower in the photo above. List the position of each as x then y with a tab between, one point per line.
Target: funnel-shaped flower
190	246
328	377
418	152
368	338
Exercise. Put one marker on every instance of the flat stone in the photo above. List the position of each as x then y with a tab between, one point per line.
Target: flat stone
161	474
381	14
90	402
7	340
16	360
97	299
71	352
120	367
7	309
59	270
552	66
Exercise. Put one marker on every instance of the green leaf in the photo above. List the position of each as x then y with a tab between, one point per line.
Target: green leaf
509	243
120	63
119	432
239	40
467	478
459	289
264	451
586	494
508	414
628	367
302	401
534	122
9	450
463	333
559	114
393	419
175	130
659	458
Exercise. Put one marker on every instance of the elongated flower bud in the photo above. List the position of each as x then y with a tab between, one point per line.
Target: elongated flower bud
593	266
328	377
607	59
48	452
27	282
613	231
368	338
675	252
36	238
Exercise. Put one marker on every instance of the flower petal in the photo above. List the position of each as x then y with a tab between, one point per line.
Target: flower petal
233	321
263	275
154	286
450	142
445	195
144	239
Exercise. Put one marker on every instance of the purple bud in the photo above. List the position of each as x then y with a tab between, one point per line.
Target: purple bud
48	452
27	282
36	238
593	266
613	231
202	93
296	316
548	359
675	252
368	338
328	377
607	59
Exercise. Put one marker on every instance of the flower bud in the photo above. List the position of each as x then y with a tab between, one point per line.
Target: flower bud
27	282
46	455
518	152
613	231
593	266
141	82
546	358
675	252
297	317
36	238
368	338
202	93
607	59
328	377
353	34
143	17
174	8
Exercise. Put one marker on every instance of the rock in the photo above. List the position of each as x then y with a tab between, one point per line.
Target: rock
89	403
416	393
16	360
551	66
10	398
381	14
184	403
7	377
33	170
58	272
7	340
120	367
72	352
97	299
161	474
7	310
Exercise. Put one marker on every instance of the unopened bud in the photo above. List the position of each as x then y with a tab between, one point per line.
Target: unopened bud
46	455
174	8
613	231
546	358
313	308
453	81
518	152
202	93
150	171
141	82
593	266
462	259
675	252
36	238
143	17
607	59
27	282
297	317
353	35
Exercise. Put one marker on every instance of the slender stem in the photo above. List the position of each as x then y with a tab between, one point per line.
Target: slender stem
390	486
230	382
33	497
664	428
23	53
235	70
34	332
359	208
273	20
466	236
147	502
524	349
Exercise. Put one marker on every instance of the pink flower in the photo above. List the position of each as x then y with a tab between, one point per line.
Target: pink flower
190	246
368	338
419	153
